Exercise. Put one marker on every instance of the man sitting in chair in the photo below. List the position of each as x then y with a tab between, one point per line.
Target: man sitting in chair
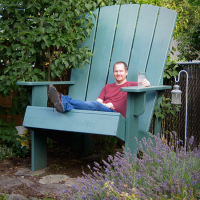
111	98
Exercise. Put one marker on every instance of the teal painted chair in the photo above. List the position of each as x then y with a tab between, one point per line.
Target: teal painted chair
139	35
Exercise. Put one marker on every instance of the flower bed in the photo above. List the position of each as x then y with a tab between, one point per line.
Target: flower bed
161	172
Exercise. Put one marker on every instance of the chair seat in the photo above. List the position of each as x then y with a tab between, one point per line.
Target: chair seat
83	121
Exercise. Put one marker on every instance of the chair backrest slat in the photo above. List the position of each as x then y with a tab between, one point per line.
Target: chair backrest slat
102	50
157	58
142	41
160	46
124	36
80	76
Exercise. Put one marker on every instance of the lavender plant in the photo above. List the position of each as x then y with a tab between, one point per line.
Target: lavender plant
161	173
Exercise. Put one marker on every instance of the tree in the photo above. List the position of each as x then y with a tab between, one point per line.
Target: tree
189	39
189	44
41	39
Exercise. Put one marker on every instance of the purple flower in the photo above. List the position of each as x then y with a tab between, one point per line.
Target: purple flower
73	186
145	177
191	140
194	182
175	133
138	176
63	191
95	188
97	164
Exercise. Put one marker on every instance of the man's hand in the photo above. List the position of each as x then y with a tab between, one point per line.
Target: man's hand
109	105
146	83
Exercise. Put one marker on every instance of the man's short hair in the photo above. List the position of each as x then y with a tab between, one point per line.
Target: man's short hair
121	62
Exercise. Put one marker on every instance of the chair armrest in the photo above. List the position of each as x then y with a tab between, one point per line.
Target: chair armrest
45	83
136	98
145	89
38	95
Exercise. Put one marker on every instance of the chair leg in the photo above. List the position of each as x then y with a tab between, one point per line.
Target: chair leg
135	107
87	145
38	150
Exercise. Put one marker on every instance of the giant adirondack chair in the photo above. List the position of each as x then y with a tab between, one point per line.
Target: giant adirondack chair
139	35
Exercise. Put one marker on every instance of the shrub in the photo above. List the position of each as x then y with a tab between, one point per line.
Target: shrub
5	152
162	173
10	139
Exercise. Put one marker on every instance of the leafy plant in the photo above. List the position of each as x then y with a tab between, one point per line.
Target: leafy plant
10	138
167	111
189	43
41	39
166	108
2	197
171	69
160	174
109	143
5	152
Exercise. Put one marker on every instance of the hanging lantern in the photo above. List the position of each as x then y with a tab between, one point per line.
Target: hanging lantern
176	95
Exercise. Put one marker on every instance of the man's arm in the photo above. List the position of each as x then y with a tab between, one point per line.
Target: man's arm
99	100
109	105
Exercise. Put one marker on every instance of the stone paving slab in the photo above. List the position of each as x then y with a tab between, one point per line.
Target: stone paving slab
6	182
26	181
28	172
17	197
50	184
53	189
53	179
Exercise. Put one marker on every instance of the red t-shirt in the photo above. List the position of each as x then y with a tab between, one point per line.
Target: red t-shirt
112	93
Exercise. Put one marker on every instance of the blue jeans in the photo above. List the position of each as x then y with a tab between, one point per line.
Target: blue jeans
69	104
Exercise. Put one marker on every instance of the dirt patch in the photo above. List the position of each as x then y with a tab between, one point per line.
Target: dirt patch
61	160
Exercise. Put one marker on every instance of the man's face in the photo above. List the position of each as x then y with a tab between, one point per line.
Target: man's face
120	73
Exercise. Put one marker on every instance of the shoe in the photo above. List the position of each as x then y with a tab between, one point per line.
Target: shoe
54	96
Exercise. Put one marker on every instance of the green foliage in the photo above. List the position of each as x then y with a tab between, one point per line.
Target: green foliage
5	152
194	2
9	137
2	197
189	43
171	70
109	143
41	39
166	109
